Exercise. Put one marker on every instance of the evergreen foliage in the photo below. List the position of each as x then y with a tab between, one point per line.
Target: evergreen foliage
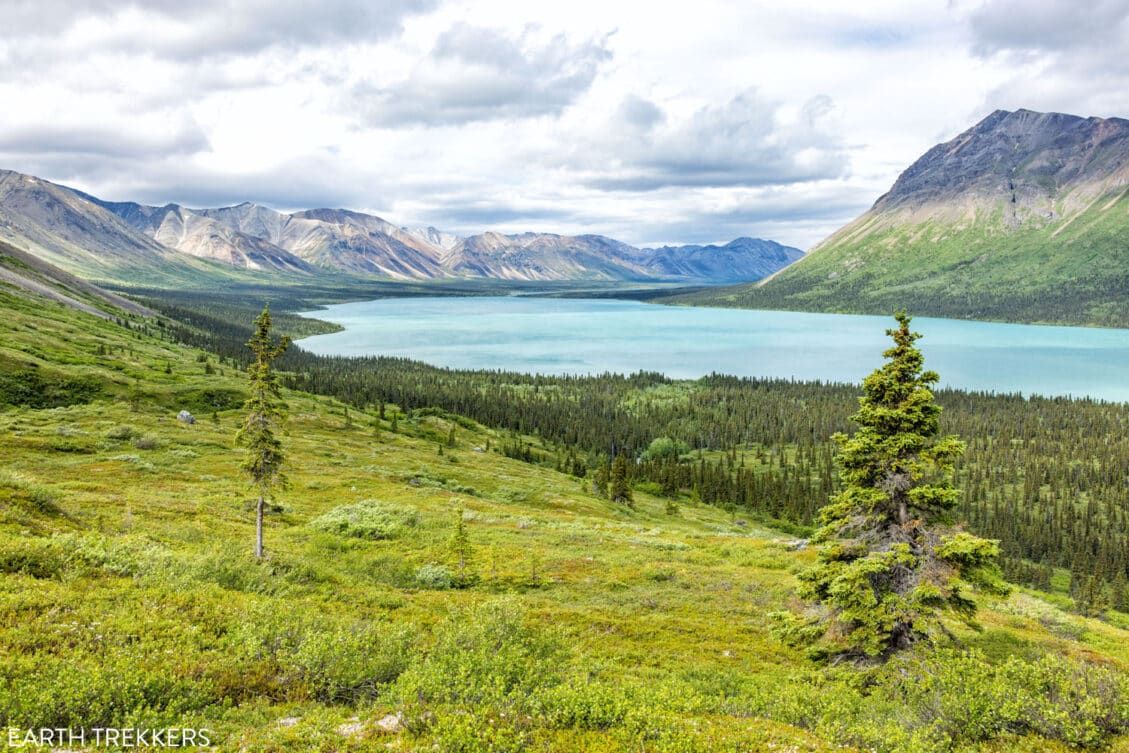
891	564
619	490
263	456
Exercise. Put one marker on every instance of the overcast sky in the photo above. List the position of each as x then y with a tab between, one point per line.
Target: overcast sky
651	122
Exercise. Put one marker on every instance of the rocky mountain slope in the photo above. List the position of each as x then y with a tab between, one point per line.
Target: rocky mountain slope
545	256
131	242
197	234
1025	216
65	229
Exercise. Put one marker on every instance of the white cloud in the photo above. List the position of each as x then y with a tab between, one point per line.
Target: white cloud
475	73
654	124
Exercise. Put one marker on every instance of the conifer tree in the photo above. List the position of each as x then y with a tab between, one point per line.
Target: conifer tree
618	489
263	457
891	564
461	552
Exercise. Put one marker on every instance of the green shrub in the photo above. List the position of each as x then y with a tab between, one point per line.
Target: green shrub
32	388
21	492
460	731
38	557
121	433
368	519
331	661
435	577
662	448
147	442
583	705
484	656
109	689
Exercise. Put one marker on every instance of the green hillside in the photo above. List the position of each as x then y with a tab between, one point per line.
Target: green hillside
128	594
1072	271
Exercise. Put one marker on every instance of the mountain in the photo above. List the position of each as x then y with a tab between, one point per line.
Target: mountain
68	230
173	245
199	235
545	256
739	260
434	236
1023	217
360	243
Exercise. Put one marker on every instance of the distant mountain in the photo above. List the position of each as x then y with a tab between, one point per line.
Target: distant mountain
434	236
199	235
172	244
1023	217
68	230
545	256
737	261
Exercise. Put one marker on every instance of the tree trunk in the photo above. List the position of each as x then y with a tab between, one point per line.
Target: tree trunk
259	529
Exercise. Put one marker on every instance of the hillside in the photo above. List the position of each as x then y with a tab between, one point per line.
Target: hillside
1023	217
175	246
66	230
130	595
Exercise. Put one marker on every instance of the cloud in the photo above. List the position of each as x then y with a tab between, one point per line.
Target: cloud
1046	25
176	139
480	74
1059	55
194	30
746	141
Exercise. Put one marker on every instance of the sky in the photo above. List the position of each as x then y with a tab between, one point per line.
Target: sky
649	122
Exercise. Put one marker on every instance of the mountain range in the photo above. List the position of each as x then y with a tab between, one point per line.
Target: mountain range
1023	217
129	242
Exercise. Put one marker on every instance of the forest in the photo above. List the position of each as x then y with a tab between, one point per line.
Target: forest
1045	476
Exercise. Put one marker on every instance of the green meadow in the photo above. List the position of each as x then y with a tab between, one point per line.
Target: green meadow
129	595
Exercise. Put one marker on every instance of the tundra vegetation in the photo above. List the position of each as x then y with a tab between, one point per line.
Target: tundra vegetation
487	599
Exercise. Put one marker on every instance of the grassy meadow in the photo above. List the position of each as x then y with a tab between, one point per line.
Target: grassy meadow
129	596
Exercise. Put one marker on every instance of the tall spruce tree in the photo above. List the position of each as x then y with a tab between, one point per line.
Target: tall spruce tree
264	456
891	563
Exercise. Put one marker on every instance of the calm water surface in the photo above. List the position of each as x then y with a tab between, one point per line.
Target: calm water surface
578	336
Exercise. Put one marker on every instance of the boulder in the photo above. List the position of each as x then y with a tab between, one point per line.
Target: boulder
185	417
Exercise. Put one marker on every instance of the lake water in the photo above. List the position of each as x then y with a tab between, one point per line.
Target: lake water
580	336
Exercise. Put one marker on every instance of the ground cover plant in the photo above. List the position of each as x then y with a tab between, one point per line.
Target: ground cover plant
129	593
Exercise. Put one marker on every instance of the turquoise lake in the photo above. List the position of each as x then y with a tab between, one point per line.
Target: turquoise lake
583	336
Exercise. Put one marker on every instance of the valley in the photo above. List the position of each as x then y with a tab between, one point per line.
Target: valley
129	591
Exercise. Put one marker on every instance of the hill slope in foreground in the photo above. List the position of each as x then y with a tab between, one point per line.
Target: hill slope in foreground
128	596
1023	217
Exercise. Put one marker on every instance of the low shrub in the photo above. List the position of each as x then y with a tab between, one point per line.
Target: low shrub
23	493
483	656
147	442
368	519
435	577
121	433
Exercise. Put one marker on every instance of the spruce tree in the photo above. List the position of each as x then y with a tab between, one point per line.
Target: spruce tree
891	564
263	457
618	488
461	552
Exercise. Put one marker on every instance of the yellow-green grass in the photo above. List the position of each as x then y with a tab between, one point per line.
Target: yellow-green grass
141	583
